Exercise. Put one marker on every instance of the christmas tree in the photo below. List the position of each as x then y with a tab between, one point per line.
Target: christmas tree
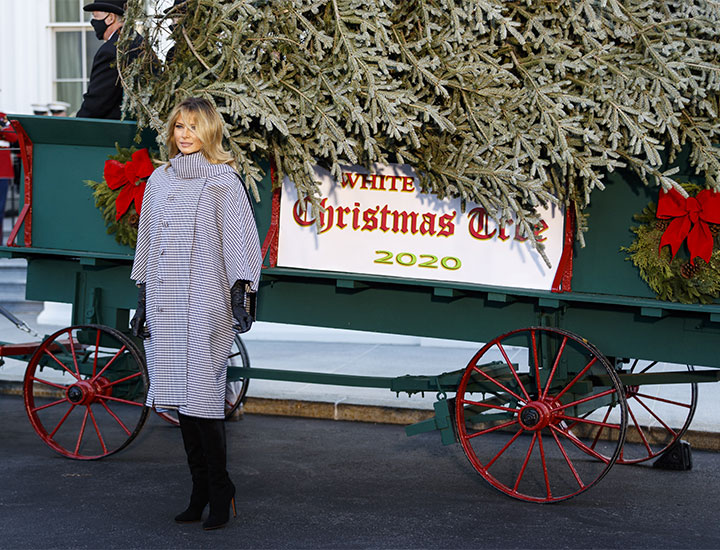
509	104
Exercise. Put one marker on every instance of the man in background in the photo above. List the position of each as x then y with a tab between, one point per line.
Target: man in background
104	95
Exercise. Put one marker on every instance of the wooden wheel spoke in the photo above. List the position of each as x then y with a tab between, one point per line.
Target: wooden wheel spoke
512	370
62	420
497	383
505	448
578	377
537	362
555	366
575	441
118	354
493	429
597	435
567	460
583	417
72	352
648	409
97	351
82	431
544	465
114	382
63	400
521	473
48	383
65	368
588	421
97	429
662	400
639	429
117	399
117	419
585	399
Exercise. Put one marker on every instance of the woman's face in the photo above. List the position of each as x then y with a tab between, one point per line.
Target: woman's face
185	139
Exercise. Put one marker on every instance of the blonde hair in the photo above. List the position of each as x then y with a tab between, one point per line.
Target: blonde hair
208	129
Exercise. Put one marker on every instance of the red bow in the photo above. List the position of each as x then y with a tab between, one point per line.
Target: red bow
691	218
118	174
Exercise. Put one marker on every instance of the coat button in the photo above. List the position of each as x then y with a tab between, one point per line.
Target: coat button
171	197
165	224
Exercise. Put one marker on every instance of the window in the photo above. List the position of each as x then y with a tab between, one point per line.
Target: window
74	46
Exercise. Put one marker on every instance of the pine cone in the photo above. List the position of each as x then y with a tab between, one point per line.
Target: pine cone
134	220
689	270
715	229
662	225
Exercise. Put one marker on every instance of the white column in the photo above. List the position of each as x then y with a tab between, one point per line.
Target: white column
26	62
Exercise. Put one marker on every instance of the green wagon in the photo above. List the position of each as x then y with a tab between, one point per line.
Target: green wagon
542	411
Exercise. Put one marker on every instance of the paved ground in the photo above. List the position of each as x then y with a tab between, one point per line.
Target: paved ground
324	484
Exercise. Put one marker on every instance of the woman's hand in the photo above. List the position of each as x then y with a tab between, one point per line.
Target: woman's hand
137	323
238	297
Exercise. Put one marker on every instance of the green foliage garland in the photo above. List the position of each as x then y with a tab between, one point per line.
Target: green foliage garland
673	280
125	229
506	103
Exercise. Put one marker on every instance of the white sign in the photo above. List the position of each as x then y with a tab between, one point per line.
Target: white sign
380	223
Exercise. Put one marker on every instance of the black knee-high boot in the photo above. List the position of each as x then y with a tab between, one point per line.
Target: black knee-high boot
200	496
222	490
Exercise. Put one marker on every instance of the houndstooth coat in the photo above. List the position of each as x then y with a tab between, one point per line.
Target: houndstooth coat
197	236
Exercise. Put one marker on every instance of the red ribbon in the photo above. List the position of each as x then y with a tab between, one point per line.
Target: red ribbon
690	218
128	174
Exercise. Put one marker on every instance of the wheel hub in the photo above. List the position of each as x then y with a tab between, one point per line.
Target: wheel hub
631	391
75	394
530	417
81	393
535	416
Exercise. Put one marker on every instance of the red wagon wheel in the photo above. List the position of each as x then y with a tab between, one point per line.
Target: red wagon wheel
516	402
235	388
658	414
85	390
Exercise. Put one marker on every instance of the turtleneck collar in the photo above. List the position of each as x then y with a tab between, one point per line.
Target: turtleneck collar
196	166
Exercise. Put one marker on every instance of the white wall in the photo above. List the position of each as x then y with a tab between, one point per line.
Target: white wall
25	55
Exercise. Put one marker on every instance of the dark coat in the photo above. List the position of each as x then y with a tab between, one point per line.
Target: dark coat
104	95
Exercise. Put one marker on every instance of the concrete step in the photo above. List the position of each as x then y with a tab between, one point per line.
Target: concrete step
13	273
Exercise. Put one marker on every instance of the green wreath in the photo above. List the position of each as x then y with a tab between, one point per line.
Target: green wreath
119	195
674	279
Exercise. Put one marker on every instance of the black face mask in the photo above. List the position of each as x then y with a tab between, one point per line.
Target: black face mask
100	27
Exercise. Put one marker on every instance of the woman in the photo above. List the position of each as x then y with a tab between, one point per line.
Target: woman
197	255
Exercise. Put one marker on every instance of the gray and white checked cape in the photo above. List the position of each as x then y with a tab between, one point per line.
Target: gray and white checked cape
197	236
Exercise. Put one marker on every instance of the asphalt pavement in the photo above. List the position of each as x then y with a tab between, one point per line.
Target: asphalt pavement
308	483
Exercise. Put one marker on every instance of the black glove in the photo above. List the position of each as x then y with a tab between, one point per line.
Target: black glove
137	323
238	300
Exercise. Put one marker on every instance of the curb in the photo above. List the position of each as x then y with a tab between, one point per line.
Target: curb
335	411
